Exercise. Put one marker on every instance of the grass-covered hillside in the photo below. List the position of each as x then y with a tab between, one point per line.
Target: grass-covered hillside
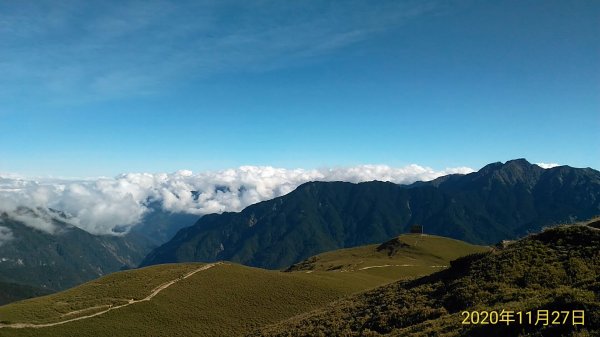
556	270
222	299
408	255
225	300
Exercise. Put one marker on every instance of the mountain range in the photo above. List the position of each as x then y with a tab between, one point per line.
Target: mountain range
62	259
500	201
36	262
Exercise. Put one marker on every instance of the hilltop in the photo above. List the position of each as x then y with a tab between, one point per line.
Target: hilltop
557	269
404	256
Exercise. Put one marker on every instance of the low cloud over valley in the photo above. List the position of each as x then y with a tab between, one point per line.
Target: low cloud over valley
107	205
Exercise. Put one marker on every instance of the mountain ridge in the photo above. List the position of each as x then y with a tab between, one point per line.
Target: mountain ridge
500	201
67	257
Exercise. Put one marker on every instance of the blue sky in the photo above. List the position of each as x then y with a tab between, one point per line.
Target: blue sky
92	88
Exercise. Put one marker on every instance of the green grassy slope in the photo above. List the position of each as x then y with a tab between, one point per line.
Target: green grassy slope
113	289
558	269
408	255
227	299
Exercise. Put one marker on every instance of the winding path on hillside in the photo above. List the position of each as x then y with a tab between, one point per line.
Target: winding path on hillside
154	292
400	265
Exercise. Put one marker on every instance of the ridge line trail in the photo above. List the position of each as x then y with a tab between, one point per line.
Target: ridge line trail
401	265
154	292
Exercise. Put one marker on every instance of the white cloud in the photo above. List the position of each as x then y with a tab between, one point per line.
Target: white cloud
99	206
5	235
547	165
36	218
56	48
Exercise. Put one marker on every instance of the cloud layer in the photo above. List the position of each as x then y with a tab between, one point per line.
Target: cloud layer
103	205
547	165
5	235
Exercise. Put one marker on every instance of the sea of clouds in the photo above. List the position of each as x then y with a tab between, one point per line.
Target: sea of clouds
102	205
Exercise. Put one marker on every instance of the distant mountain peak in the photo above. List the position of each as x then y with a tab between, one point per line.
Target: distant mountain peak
513	163
511	172
519	162
490	167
